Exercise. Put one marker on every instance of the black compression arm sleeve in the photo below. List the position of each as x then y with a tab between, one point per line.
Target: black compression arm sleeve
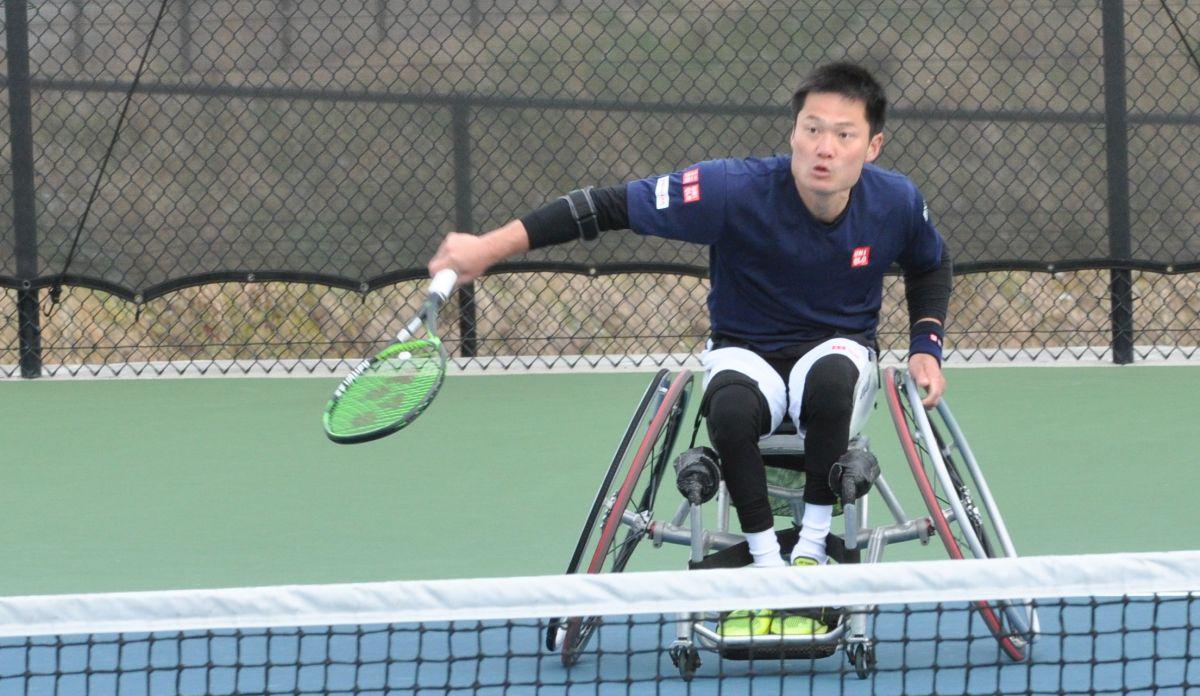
928	293
554	224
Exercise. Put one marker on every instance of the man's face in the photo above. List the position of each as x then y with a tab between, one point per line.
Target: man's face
831	142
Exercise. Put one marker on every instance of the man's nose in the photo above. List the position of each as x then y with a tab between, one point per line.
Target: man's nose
825	145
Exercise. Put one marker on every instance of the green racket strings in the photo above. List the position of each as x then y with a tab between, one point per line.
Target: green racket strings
396	386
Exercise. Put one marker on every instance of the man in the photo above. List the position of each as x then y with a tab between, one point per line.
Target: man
798	250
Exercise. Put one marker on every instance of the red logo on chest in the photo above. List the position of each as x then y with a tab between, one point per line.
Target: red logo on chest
861	257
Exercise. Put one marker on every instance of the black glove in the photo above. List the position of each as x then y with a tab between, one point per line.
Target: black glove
852	475
697	474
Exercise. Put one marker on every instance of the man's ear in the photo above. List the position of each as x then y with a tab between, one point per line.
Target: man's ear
874	147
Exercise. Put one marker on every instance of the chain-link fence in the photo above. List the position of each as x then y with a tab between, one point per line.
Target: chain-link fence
286	168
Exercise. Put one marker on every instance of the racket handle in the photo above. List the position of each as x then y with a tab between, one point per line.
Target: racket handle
439	289
409	331
443	284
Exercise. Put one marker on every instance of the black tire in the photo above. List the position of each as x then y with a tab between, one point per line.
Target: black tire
955	536
635	475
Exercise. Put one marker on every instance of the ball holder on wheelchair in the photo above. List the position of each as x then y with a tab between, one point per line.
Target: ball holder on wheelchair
962	513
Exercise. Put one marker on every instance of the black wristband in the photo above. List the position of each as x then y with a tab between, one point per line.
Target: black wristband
926	336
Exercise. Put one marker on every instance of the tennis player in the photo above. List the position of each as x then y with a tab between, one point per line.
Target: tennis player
798	248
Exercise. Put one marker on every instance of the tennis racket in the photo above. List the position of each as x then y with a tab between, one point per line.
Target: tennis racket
388	391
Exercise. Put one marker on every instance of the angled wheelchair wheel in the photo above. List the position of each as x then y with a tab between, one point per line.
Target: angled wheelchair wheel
958	499
620	462
621	512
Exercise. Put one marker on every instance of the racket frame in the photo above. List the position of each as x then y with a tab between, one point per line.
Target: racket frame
439	290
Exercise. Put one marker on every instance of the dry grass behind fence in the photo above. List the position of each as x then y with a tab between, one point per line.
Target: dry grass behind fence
555	317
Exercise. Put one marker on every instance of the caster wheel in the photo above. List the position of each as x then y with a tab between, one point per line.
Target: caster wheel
862	657
686	658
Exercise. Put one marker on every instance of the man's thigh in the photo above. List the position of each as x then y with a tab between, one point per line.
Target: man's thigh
751	365
864	387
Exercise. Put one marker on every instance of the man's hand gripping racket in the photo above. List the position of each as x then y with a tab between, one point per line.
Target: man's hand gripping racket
388	391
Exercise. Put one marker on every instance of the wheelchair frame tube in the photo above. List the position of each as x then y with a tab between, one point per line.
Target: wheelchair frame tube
960	440
719	541
890	499
697	540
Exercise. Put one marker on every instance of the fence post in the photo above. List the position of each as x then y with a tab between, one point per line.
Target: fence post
187	41
1116	140
460	118
20	121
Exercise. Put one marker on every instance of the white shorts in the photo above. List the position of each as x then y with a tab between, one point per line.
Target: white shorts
771	384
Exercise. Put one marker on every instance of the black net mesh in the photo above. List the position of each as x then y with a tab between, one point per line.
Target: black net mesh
1091	645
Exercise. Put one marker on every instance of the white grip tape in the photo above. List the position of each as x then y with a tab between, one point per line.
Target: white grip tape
409	331
443	284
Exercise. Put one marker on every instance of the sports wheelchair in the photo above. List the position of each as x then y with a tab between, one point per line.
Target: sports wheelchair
962	513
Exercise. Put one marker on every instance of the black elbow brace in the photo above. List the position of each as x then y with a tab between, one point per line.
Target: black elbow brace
583	210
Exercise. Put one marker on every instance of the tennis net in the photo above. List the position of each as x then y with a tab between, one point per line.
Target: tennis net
1124	623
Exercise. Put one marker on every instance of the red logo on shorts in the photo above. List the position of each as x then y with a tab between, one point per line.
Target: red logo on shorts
861	257
691	176
691	193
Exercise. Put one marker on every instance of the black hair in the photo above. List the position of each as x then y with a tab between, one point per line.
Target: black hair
849	80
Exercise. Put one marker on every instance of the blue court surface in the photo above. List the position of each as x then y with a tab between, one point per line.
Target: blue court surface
1138	645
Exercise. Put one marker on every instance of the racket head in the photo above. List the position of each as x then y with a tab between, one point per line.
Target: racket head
386	392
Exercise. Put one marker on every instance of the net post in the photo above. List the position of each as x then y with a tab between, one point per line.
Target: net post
1116	139
24	211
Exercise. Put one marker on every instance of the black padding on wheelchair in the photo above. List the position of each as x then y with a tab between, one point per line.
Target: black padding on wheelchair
738	555
853	474
698	474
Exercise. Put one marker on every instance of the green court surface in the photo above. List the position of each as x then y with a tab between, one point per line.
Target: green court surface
188	483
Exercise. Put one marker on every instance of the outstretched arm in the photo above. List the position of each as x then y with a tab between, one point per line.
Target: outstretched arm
580	214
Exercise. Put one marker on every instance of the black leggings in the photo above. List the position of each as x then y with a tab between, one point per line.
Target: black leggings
737	415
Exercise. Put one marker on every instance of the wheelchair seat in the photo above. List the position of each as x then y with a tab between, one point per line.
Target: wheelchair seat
784	448
783	454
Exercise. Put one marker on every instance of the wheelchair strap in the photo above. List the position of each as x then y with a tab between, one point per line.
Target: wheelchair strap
696	427
738	555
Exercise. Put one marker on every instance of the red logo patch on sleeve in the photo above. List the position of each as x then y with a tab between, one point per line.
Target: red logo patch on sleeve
861	257
691	176
691	193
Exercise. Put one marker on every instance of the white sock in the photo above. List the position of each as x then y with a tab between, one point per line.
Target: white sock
818	519
764	547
